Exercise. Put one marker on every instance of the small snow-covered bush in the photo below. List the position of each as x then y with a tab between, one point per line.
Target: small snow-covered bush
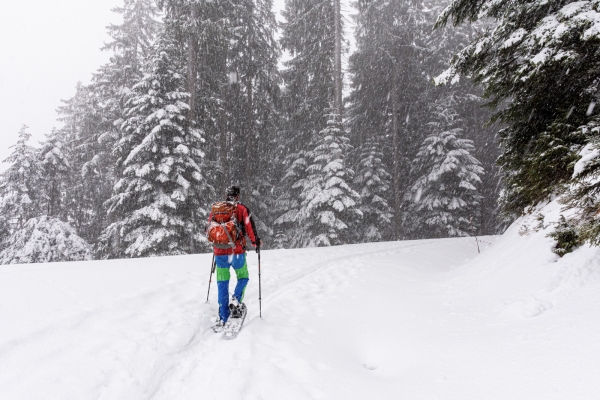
566	236
45	239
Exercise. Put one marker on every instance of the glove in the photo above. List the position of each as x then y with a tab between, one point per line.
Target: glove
257	244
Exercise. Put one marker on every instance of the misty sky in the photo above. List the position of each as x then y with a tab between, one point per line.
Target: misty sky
46	48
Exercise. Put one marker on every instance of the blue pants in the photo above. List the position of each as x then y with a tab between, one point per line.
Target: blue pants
238	262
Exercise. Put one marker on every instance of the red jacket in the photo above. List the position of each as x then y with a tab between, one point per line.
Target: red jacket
244	218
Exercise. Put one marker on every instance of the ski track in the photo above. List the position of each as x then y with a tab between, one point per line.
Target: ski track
263	353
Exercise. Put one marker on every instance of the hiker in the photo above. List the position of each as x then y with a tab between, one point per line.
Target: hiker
231	250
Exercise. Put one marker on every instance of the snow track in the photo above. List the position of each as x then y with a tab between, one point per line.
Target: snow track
382	320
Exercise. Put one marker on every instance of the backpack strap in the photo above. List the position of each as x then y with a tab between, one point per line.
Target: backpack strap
231	242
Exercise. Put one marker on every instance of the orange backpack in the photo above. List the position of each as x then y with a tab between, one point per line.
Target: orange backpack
223	229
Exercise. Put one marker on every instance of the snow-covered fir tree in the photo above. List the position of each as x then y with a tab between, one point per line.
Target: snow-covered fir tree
89	177
397	54
308	34
251	102
45	239
329	206
131	42
373	185
133	38
20	194
391	86
537	48
160	199
444	198
583	194
5	231
56	166
91	118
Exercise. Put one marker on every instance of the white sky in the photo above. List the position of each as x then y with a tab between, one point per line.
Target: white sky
46	47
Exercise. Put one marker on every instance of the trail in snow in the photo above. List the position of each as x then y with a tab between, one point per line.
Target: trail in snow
416	320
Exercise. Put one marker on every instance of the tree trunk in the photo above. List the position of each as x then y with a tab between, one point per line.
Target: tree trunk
338	60
249	88
192	67
396	143
223	140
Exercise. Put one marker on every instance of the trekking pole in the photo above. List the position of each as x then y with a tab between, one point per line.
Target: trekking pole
259	288
212	270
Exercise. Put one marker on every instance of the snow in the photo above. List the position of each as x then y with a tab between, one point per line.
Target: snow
588	154
428	319
514	38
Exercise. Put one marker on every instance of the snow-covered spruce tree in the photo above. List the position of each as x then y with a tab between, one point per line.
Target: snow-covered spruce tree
5	231
131	42
391	86
444	198
373	184
132	39
55	166
251	102
541	64
157	205
45	239
89	178
328	205
308	34
20	185
92	115
583	194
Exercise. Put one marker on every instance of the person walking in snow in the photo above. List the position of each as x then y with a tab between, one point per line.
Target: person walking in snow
230	223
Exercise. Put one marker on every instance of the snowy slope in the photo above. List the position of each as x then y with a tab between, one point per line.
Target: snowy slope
427	319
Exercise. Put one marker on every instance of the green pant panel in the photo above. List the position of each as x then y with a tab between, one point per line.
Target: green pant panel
223	274
242	273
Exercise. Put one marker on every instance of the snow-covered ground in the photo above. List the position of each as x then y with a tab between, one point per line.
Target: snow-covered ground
427	319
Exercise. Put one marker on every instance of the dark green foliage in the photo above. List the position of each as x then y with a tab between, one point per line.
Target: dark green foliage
546	163
566	236
539	69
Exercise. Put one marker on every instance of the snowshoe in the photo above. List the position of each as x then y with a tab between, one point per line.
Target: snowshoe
234	324
236	311
219	326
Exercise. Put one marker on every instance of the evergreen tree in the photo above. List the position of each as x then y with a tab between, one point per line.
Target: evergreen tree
252	114
5	231
391	85
308	35
56	166
45	239
132	40
538	48
328	205
583	194
445	197
373	183
391	89
131	43
158	202
89	178
92	116
20	195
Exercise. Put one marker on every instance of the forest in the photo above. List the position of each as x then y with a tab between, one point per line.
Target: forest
444	119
